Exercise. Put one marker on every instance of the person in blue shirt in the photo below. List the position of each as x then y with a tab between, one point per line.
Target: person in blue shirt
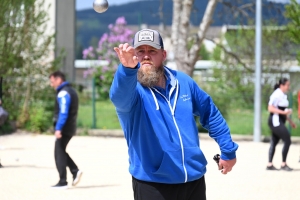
66	108
156	108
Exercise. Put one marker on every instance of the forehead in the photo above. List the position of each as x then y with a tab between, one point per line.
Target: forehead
145	47
53	78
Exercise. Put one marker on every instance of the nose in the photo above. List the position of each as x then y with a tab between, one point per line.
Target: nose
146	59
146	56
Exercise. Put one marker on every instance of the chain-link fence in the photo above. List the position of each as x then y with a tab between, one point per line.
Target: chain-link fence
98	113
101	114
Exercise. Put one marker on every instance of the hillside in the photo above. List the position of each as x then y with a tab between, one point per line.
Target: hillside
91	25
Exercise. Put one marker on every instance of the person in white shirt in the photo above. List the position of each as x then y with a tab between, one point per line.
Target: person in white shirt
279	113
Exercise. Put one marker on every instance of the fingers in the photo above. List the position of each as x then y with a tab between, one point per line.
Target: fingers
125	46
226	165
220	166
126	55
130	49
225	170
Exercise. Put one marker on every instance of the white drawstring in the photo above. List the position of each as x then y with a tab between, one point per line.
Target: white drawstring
176	96
154	97
174	83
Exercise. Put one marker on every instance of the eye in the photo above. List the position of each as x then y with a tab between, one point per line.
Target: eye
153	52
140	52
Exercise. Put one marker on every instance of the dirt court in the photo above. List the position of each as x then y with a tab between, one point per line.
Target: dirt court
29	170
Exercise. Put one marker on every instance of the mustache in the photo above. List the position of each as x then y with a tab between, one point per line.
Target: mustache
147	62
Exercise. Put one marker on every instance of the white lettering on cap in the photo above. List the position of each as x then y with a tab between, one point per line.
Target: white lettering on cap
146	36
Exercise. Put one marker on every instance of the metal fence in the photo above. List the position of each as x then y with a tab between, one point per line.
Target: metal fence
95	114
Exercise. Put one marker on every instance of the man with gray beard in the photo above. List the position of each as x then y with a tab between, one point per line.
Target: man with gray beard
156	108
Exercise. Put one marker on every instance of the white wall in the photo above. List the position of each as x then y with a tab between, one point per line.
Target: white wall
51	23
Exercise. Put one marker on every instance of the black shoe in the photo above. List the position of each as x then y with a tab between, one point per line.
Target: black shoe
1	165
61	186
272	168
286	168
76	177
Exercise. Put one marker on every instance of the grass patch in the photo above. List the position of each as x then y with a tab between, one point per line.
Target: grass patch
106	117
240	121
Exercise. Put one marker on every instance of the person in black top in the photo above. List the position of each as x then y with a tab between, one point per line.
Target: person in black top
66	108
279	113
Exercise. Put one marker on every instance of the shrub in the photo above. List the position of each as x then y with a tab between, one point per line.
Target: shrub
118	33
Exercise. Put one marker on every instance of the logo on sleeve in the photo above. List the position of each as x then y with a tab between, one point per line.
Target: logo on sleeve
62	101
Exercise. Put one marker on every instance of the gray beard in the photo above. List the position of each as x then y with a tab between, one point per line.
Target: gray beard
149	76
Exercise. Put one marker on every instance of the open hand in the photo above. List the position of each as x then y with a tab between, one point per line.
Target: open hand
126	55
288	111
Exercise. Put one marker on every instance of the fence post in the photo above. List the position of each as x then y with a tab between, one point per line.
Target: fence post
94	103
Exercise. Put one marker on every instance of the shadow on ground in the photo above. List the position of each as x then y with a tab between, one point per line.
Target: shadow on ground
92	186
26	166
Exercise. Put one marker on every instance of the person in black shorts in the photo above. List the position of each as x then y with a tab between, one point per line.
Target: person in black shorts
279	113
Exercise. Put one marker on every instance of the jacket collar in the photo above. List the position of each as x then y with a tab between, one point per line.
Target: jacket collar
62	85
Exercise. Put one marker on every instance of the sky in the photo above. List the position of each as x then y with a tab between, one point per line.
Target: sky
88	4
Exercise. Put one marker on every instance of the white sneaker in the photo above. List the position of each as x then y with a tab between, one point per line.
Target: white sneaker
77	178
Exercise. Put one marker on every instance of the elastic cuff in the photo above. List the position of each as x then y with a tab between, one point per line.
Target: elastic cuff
228	156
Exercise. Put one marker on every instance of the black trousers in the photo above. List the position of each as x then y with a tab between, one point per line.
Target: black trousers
62	159
194	190
279	132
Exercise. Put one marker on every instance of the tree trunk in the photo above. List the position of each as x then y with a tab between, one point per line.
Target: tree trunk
187	51
177	4
25	109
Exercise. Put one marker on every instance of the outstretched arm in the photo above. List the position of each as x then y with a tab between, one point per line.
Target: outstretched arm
123	92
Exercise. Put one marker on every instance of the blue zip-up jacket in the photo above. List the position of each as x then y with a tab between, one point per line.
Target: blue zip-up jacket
160	129
66	108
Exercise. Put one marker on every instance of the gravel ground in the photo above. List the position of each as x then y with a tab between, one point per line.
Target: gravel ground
29	170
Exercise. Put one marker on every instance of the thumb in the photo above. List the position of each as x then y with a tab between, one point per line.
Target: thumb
135	60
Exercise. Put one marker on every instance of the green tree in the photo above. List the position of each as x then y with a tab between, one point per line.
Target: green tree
236	64
26	59
293	14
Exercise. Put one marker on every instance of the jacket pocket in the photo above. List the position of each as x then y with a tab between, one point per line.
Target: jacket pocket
171	167
195	162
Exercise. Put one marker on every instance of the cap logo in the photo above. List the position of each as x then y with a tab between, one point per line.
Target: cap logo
146	36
